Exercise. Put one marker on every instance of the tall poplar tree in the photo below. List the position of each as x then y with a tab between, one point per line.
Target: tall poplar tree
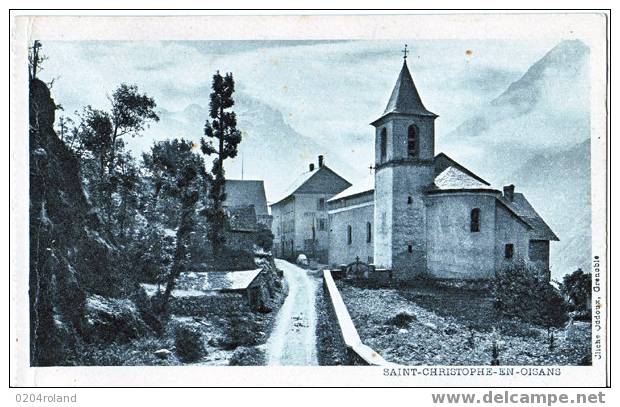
222	140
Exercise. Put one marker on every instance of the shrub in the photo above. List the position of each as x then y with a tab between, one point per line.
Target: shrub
522	290
188	343
247	357
402	319
577	290
241	331
264	238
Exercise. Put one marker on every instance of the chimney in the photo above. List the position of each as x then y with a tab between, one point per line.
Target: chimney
320	161
509	192
311	167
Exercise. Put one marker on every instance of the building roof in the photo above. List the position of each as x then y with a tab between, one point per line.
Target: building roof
218	280
458	177
521	206
303	179
405	98
442	161
246	193
454	178
242	218
366	186
196	284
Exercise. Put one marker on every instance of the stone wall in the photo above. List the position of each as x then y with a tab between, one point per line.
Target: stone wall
208	305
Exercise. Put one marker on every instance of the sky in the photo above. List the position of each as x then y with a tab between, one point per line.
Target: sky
325	89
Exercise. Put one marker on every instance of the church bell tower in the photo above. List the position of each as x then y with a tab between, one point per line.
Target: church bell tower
404	169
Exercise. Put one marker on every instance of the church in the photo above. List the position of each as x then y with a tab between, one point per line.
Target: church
424	214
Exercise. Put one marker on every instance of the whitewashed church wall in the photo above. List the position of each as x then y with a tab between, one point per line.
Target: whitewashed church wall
509	230
340	251
453	250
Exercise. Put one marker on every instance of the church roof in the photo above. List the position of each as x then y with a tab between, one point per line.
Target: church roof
405	97
458	177
442	161
521	206
454	177
366	186
246	193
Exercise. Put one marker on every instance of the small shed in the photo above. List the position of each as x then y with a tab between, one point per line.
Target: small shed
207	286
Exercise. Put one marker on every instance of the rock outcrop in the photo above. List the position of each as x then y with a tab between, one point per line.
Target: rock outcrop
70	254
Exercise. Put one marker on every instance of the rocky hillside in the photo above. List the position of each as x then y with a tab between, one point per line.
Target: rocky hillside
70	255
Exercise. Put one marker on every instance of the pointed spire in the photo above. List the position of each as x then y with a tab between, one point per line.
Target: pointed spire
405	97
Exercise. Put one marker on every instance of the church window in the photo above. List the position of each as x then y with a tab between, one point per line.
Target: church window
474	224
368	232
409	200
383	146
412	141
320	205
321	224
410	248
349	235
509	251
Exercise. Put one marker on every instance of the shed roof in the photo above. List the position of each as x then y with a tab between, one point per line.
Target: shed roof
242	219
196	284
218	280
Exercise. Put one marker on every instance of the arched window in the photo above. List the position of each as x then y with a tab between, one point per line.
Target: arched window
349	235
409	200
368	232
474	224
383	146
412	141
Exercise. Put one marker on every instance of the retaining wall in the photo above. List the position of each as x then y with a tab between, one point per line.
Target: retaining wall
357	353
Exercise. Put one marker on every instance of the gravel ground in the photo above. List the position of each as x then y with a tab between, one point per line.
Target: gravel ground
455	338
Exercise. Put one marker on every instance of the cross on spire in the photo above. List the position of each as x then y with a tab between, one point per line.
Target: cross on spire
405	51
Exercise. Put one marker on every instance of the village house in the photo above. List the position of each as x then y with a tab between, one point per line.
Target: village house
425	214
300	218
247	210
248	193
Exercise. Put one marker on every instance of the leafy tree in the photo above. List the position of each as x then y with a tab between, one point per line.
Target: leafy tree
109	172
178	179
223	138
577	289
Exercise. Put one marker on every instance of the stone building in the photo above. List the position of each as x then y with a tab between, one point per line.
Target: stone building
246	193
300	219
248	213
427	214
